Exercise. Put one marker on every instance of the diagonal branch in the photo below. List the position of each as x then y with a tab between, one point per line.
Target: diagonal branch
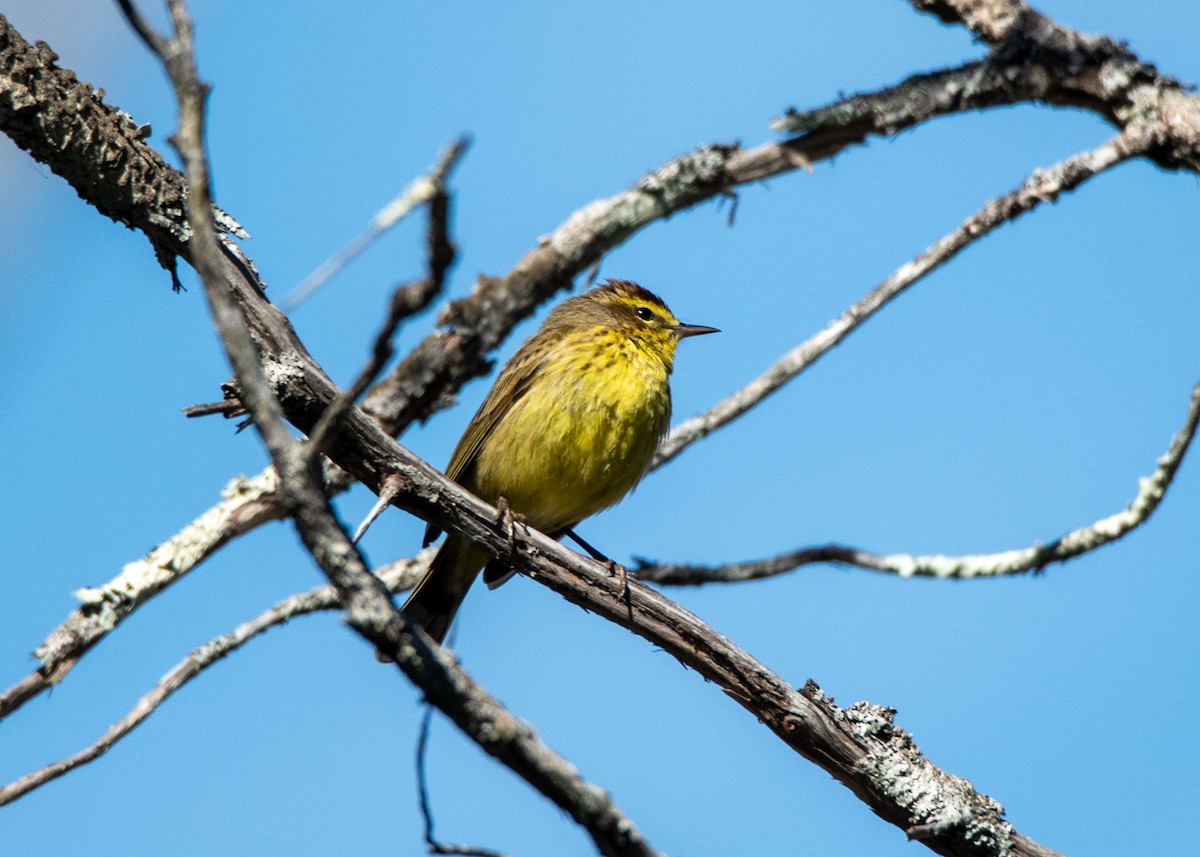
368	606
1151	490
1042	186
423	190
245	505
859	746
400	576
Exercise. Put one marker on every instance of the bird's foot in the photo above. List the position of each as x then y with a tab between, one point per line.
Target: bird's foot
620	570
509	520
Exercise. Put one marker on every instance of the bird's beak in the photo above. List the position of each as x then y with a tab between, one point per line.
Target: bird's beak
685	330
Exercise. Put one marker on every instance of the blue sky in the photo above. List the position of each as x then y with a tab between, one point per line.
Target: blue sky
1012	396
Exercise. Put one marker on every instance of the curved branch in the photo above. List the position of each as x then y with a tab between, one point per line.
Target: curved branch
1151	490
245	504
1067	68
1042	186
400	576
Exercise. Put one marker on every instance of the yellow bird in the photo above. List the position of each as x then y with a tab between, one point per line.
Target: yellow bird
568	429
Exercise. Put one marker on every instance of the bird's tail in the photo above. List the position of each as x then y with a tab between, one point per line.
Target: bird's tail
437	597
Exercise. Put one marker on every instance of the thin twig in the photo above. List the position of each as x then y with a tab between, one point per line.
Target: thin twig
1151	490
153	40
387	495
436	847
421	190
406	300
1040	187
397	577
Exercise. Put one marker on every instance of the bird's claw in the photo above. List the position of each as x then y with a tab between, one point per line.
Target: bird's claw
620	570
509	520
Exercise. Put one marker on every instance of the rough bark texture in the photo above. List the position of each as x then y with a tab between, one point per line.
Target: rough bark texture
102	153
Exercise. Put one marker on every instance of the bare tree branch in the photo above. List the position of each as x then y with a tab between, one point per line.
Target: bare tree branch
1151	490
245	504
400	576
406	300
420	191
860	746
1042	186
368	607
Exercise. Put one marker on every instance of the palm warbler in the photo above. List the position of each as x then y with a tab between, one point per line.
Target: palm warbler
568	429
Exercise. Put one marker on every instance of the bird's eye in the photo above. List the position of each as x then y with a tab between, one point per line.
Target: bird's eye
644	313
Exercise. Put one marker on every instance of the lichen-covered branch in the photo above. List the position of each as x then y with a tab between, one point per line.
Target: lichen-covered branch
245	504
1151	490
400	576
1064	67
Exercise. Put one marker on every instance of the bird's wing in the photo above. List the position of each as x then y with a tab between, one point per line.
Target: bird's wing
513	382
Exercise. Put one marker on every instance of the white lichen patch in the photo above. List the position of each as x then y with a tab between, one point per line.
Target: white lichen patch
937	801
